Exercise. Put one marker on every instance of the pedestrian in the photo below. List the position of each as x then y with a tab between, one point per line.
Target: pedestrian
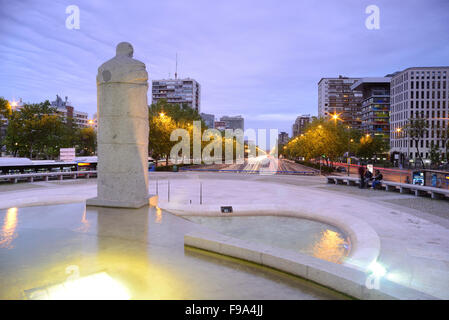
362	176
368	177
377	179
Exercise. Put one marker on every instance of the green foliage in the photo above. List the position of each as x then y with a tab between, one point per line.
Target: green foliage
330	140
322	139
86	141
165	117
369	146
5	108
416	130
37	132
435	154
5	113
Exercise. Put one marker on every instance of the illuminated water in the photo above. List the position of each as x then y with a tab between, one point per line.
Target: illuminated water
66	251
300	235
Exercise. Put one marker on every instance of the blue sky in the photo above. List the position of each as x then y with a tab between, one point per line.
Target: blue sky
261	59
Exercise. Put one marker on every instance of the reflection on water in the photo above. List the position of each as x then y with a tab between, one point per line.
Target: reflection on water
331	247
85	224
158	215
120	254
308	237
8	233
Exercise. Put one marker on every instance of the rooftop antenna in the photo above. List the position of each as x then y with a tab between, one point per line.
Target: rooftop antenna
176	70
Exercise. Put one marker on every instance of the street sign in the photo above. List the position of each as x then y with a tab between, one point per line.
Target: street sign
67	154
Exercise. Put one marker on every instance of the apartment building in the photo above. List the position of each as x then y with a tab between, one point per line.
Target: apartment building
375	107
300	124
68	113
335	96
180	91
418	92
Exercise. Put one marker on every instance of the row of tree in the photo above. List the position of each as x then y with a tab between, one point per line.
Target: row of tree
36	131
332	141
165	117
417	129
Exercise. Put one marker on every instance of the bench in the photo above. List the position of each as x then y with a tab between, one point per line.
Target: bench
350	181
417	190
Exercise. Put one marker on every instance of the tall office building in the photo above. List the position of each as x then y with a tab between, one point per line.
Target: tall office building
180	91
375	106
68	113
418	92
236	122
336	97
300	124
209	119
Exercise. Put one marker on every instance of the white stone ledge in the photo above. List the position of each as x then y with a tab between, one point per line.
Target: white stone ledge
341	278
365	243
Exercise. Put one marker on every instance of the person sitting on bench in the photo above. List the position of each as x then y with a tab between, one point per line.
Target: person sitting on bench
377	179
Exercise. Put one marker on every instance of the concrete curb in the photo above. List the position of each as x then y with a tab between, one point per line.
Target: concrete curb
346	280
365	243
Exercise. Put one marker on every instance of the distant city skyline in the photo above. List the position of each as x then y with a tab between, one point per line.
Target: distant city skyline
257	59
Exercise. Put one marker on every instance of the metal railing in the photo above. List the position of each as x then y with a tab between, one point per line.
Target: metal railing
15	177
312	173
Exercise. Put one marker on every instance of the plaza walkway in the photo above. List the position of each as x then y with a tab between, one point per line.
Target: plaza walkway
413	232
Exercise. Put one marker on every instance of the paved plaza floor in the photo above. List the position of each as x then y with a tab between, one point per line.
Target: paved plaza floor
50	235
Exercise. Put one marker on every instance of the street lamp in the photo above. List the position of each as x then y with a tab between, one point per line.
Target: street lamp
335	116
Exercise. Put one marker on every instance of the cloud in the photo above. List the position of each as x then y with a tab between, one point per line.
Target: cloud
262	59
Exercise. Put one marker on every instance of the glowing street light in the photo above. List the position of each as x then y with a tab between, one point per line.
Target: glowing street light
335	116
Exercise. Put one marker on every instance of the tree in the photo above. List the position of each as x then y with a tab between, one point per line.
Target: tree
416	129
35	131
165	117
322	139
435	154
445	142
5	112
369	146
86	141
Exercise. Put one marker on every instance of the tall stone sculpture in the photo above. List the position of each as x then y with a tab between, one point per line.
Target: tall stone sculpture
122	85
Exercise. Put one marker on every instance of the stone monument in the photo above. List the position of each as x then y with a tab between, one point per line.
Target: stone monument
122	108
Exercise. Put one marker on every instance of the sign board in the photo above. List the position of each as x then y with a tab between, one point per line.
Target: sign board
67	154
418	178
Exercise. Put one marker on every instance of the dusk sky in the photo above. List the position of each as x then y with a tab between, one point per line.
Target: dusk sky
260	59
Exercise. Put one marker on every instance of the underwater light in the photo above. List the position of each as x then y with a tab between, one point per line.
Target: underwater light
377	269
99	286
